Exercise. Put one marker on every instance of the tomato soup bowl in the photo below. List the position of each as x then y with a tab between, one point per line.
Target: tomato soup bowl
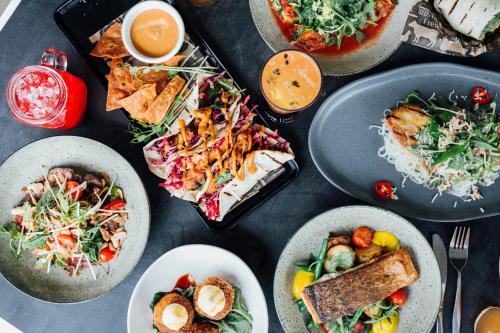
134	13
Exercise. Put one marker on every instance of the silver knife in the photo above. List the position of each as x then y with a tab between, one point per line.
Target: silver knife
442	259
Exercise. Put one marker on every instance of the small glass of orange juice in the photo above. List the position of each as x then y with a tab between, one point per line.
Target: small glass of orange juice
290	82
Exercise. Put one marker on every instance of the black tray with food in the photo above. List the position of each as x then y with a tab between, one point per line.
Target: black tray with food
233	186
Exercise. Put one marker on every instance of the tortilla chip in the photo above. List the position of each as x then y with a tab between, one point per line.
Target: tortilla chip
160	77
120	78
111	44
174	61
114	95
157	111
137	103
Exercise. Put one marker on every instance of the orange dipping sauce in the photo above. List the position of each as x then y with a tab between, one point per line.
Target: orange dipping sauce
290	81
488	321
154	33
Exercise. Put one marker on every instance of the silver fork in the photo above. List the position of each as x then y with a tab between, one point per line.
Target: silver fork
459	253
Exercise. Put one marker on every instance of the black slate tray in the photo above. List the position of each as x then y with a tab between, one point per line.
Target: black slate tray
80	19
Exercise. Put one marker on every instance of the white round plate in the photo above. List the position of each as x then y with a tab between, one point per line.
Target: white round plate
358	61
202	261
419	313
28	164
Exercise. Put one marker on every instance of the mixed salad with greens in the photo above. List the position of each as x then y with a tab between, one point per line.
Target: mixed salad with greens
445	143
321	23
71	219
341	253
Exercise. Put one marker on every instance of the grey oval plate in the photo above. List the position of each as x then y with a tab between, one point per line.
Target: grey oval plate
419	313
360	60
345	150
25	166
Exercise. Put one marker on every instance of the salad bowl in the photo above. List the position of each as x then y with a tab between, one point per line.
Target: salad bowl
27	165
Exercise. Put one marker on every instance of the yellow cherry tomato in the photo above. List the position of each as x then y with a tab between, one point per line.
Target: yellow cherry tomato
386	325
301	280
387	240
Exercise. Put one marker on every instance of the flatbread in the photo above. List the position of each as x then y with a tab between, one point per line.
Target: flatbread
111	44
157	111
265	162
137	103
473	18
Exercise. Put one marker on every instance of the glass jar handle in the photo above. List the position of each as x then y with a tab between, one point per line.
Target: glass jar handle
55	59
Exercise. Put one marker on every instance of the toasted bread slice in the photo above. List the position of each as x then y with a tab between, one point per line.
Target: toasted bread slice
331	298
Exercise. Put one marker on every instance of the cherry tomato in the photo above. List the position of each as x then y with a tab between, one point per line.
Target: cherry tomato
71	185
398	298
359	327
362	237
66	241
385	190
117	204
480	95
106	254
19	219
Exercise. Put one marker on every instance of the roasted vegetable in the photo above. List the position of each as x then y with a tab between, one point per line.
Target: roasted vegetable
338	240
339	257
386	325
366	254
398	298
386	240
362	237
301	280
373	311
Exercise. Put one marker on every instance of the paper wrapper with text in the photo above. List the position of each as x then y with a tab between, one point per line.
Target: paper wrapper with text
427	28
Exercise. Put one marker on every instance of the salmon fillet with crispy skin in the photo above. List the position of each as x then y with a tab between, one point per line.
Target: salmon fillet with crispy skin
332	298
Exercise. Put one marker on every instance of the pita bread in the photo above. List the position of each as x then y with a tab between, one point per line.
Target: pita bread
137	103
111	44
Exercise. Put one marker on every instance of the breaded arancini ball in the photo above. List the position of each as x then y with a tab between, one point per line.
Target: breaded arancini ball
227	290
172	298
203	328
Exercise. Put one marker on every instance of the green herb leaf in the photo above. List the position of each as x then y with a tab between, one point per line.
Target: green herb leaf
156	298
223	178
35	243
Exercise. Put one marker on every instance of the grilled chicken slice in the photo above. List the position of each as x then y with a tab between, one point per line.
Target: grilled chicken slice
405	122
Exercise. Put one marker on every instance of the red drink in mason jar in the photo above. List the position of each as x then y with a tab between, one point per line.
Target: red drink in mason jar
46	95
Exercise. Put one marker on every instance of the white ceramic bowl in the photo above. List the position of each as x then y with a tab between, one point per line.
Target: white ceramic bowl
132	15
202	261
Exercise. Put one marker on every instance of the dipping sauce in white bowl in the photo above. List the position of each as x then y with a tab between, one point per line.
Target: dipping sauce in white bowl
153	31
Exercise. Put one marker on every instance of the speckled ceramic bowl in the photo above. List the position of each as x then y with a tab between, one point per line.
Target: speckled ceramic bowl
29	163
419	313
360	60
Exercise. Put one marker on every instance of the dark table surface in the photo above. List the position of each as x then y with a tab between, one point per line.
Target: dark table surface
260	236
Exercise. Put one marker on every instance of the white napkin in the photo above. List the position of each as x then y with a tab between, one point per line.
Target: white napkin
5	327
